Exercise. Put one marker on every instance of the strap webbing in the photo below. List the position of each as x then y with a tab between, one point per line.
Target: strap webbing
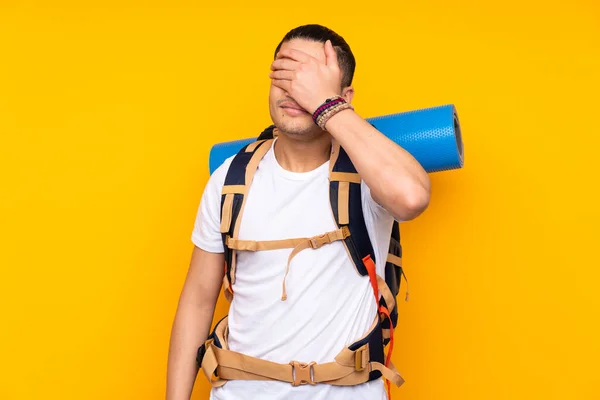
344	203
345	194
383	310
231	365
351	367
394	259
375	282
345	177
390	373
297	244
252	146
227	211
234	189
390	301
372	276
254	245
259	153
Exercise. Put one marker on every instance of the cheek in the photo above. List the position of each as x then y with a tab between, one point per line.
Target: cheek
275	92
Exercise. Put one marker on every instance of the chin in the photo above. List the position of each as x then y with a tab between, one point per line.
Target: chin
298	129
296	126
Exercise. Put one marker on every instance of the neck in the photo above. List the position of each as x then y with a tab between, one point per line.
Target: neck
302	155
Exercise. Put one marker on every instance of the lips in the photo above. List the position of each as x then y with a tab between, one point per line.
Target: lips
292	106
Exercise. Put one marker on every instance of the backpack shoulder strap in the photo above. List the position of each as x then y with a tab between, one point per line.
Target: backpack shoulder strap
233	199
346	204
269	133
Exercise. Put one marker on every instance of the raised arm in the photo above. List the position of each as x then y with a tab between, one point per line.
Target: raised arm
397	181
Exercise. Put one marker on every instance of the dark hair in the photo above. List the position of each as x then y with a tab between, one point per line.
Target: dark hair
319	33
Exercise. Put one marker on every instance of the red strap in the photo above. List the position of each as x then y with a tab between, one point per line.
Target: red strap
383	310
371	269
372	276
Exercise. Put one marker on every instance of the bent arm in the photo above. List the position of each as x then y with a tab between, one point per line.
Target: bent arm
192	322
396	179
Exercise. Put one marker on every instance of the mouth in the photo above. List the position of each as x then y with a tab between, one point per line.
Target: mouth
293	108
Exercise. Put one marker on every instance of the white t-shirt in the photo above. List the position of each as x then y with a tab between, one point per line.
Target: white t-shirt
329	305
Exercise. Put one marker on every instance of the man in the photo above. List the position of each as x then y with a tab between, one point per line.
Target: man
328	305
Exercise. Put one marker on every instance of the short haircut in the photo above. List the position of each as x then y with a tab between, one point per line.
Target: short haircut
319	33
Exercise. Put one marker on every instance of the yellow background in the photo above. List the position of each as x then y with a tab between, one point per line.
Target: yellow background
108	111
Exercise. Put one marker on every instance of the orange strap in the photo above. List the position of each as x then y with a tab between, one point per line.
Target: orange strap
383	310
372	276
371	269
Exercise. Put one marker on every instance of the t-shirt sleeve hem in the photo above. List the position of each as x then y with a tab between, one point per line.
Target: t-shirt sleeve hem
207	246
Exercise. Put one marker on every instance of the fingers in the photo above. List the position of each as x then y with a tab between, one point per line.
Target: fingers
282	84
295	55
282	74
285	63
330	54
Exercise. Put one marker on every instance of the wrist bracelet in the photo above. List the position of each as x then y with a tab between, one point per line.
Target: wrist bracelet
326	105
330	112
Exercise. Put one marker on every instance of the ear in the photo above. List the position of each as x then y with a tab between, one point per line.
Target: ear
348	94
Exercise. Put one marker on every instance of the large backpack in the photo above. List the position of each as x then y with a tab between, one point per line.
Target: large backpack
363	360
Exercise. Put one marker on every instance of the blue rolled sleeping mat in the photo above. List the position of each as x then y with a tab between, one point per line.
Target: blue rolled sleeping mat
431	135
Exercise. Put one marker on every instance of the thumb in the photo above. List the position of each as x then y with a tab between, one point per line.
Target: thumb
330	54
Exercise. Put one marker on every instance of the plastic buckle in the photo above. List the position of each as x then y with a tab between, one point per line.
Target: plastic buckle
358	359
302	373
313	243
318	241
345	231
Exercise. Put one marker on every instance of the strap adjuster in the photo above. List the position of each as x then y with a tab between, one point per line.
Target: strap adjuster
319	241
358	359
329	237
303	373
345	231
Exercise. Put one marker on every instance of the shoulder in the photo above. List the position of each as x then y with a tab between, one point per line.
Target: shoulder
217	178
219	175
221	170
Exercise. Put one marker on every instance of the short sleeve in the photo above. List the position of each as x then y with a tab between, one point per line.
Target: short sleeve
379	224
207	227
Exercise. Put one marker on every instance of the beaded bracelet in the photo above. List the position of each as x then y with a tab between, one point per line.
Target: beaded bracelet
324	117
327	104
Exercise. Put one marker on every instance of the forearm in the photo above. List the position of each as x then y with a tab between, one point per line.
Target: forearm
190	328
396	179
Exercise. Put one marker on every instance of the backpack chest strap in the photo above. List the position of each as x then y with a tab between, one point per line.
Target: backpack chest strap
315	242
297	244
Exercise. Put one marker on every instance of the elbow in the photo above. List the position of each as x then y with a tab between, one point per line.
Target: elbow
411	203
